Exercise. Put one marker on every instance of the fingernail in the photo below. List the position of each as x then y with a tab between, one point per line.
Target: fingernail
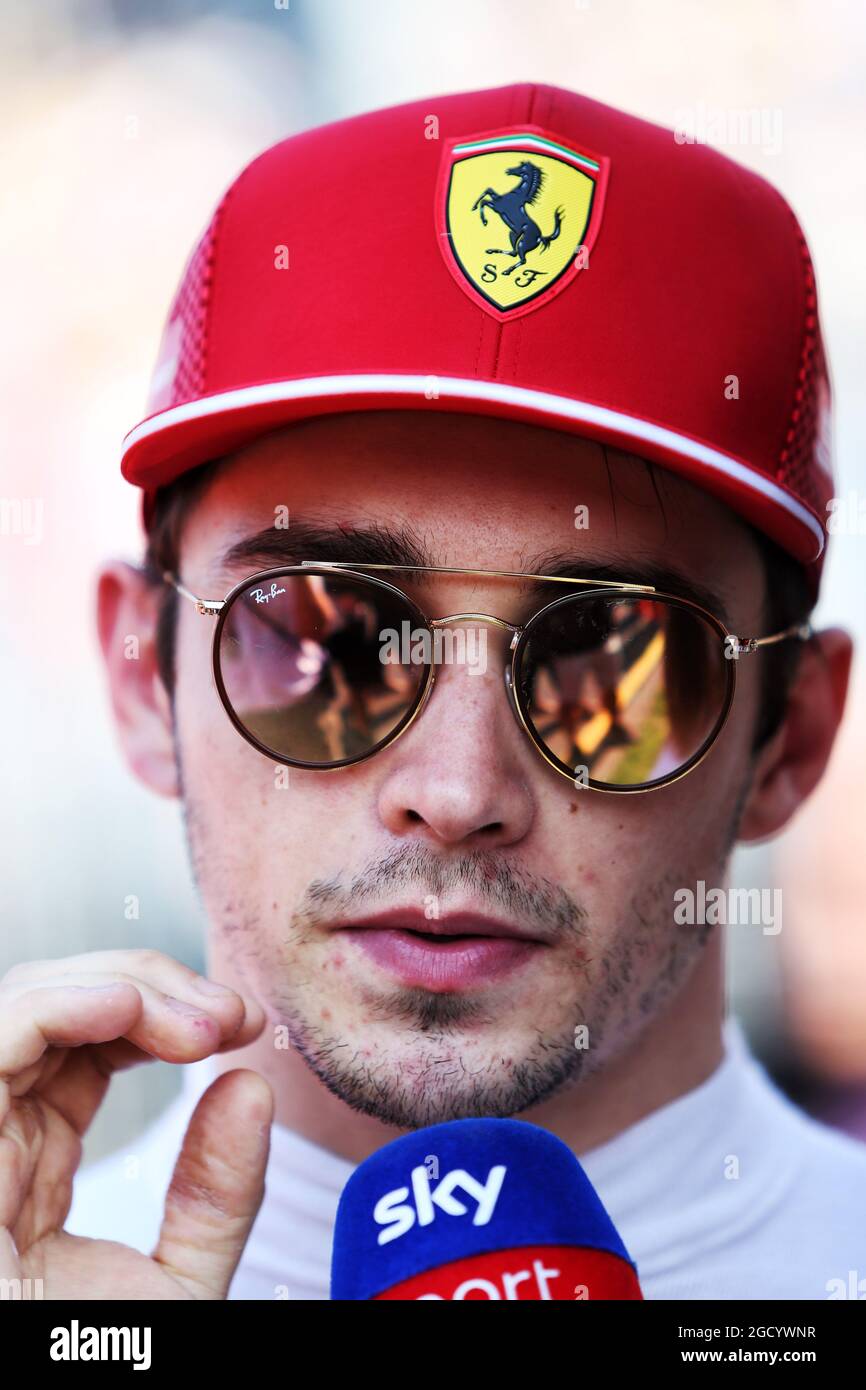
210	987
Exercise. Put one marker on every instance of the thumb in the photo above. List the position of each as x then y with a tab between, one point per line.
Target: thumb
218	1184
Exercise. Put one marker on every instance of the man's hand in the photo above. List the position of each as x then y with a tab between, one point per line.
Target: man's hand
65	1027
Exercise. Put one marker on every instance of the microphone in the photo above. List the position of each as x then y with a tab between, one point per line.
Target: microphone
477	1209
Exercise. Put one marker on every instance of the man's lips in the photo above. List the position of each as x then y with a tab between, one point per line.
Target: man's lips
450	953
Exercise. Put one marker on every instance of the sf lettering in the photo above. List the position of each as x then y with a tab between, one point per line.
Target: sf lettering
525	277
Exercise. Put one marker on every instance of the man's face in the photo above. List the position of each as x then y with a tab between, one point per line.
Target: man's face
460	814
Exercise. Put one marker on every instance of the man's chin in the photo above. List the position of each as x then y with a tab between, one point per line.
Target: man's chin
431	1078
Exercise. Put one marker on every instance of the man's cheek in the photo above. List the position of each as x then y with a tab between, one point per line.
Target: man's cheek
219	765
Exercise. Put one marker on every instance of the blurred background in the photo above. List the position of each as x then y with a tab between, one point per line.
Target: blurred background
121	123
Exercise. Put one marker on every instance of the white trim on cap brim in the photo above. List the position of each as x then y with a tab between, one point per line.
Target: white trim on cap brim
521	397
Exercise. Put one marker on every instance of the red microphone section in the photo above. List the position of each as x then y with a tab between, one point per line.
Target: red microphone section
534	1273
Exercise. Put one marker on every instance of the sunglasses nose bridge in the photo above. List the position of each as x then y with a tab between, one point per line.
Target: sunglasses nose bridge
513	628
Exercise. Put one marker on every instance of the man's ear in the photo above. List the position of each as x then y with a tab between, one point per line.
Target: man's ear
127	610
792	762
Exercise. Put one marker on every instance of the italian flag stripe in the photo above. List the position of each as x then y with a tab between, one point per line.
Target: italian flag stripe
505	142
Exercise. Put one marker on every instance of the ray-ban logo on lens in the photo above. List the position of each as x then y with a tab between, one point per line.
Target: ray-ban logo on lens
265	595
444	647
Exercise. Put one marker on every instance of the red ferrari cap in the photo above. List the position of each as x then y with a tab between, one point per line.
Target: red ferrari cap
521	252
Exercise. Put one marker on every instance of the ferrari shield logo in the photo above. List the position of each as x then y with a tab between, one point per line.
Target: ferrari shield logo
519	212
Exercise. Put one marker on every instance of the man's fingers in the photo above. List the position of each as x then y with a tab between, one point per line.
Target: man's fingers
240	1019
218	1184
28	1028
76	1088
61	1017
169	1028
48	1160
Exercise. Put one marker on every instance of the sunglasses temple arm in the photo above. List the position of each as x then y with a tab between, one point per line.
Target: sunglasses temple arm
802	631
209	608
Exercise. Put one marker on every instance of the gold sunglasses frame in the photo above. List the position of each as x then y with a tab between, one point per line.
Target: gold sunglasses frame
735	648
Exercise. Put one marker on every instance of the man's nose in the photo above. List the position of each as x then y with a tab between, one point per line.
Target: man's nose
460	773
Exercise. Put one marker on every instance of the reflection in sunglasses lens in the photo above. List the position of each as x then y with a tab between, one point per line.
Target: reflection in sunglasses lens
307	671
630	689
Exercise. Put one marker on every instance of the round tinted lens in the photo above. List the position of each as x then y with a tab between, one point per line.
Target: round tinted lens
631	689
318	668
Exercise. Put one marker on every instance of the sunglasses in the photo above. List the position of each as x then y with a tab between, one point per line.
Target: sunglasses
619	687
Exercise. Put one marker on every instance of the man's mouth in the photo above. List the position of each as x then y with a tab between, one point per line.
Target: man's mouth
459	951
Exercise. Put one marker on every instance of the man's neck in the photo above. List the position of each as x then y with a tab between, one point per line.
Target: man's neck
675	1052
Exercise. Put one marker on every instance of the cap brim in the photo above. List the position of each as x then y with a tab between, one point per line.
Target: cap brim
173	441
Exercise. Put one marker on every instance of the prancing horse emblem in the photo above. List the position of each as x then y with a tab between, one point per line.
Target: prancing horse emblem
538	195
524	231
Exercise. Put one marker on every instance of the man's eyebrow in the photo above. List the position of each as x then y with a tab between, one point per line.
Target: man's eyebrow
370	543
665	578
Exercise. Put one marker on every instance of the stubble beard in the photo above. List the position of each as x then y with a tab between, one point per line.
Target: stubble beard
439	1066
423	1079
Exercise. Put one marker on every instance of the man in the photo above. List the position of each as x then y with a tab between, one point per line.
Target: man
395	383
